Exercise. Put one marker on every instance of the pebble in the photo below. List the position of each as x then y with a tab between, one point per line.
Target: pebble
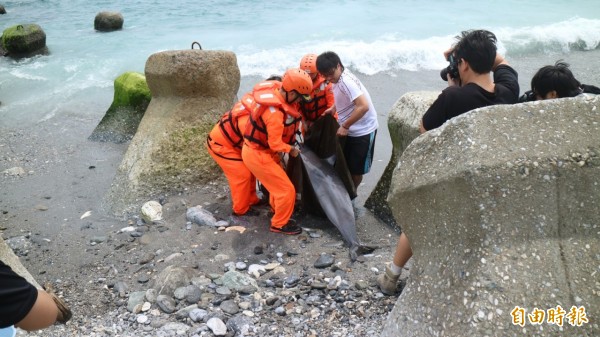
324	261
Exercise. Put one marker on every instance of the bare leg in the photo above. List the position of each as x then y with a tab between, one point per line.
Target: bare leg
403	251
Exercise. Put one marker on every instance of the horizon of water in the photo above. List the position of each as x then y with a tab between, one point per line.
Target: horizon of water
371	37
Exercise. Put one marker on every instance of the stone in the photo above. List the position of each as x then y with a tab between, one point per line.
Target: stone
229	307
498	210
325	260
201	216
403	125
15	171
171	278
190	90
24	40
236	280
166	303
217	326
135	298
121	120
151	211
107	21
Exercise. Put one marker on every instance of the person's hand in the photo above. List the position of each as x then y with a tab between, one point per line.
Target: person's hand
452	82
329	111
342	131
64	313
294	152
447	53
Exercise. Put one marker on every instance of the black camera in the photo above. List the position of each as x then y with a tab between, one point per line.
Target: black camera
451	69
528	96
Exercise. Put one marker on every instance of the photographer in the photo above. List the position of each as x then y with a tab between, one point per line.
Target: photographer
470	84
556	81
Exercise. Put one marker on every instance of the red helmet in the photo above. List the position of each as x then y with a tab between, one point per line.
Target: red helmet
298	80
309	63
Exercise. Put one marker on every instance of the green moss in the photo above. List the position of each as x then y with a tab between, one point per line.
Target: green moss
131	90
185	159
15	38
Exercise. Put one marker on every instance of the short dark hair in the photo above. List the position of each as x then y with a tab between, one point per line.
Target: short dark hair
327	61
478	47
557	78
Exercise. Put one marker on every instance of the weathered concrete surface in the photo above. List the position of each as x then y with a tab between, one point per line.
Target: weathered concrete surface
501	208
9	258
403	124
123	117
24	41
190	90
108	21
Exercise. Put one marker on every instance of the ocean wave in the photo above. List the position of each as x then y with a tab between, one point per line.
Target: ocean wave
391	53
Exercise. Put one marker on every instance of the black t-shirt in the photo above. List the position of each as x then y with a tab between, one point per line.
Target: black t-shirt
454	101
17	296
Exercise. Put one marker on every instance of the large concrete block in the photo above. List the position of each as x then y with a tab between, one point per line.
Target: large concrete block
501	208
190	90
403	125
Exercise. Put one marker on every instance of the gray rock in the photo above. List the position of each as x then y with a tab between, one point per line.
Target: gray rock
240	324
166	303
325	260
171	278
229	307
135	298
197	315
236	281
200	216
217	326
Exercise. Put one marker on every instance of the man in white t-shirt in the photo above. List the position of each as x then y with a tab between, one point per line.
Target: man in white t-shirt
356	114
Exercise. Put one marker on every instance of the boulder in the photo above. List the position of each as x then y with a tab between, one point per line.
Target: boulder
190	91
24	41
108	21
2	10
500	206
131	98
403	125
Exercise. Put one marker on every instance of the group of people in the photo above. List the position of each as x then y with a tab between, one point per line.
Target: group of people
471	86
251	140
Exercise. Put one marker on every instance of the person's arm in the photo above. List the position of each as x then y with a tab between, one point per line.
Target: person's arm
361	106
506	76
273	119
43	313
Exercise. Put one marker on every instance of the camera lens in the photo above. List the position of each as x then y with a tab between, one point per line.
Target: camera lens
444	74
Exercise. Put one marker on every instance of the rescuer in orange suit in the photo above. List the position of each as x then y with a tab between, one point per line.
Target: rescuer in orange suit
271	131
224	144
322	92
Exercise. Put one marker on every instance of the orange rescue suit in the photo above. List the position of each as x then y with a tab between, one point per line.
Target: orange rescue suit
271	130
322	94
224	145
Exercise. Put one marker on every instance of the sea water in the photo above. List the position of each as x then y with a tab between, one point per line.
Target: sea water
395	37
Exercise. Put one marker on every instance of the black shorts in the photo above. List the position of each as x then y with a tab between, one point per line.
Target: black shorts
17	296
358	152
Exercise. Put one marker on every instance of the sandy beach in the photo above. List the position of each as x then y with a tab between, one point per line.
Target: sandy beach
66	176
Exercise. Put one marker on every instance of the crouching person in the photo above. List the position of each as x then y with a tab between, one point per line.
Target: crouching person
271	131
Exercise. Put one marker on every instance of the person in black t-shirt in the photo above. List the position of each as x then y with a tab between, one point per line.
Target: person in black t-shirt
556	81
470	86
476	57
25	306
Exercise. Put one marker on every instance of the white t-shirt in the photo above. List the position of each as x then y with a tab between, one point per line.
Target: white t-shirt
345	92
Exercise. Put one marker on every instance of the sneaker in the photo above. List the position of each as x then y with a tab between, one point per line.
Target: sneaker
388	282
291	228
249	212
